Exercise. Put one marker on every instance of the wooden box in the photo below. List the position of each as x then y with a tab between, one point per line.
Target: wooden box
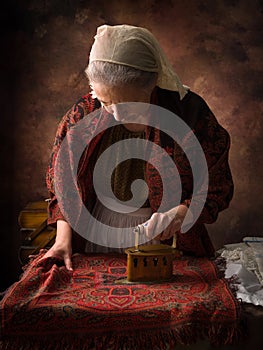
35	233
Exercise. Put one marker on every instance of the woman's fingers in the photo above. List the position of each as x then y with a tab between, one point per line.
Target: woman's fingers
151	224
60	254
174	226
68	263
157	224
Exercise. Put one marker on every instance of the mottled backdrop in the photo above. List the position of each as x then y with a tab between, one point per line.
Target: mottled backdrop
215	47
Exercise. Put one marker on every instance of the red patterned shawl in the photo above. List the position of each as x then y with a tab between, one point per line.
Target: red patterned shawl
94	307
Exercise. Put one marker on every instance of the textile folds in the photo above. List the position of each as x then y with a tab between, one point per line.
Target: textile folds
94	307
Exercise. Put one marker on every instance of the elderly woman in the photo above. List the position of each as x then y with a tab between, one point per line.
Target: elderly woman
127	65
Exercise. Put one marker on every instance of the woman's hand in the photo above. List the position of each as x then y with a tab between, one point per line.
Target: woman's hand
162	226
62	248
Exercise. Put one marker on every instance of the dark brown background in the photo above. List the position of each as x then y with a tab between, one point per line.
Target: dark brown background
215	47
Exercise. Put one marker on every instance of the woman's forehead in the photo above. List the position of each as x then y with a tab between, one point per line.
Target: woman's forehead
115	94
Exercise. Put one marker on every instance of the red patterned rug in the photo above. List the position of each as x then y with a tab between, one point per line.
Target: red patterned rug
94	307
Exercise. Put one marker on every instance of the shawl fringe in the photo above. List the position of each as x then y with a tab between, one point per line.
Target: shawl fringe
163	340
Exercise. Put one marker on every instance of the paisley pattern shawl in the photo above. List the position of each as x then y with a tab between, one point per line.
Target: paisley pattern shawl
94	308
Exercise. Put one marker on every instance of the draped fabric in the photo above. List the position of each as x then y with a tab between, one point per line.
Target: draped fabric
94	307
135	47
214	141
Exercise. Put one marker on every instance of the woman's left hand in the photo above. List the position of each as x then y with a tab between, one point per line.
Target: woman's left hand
162	226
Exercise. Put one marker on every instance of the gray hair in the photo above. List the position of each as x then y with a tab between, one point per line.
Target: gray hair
112	74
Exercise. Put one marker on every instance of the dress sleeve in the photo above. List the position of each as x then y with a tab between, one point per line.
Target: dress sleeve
215	142
84	106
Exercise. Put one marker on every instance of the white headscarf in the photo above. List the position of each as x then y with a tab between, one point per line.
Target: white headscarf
135	47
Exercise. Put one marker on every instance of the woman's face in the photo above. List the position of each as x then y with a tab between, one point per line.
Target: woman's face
115	101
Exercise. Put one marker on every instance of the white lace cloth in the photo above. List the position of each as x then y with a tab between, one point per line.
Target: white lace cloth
245	260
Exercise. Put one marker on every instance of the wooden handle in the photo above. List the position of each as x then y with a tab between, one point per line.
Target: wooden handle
139	230
174	240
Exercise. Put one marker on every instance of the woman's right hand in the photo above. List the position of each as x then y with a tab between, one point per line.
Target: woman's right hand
62	248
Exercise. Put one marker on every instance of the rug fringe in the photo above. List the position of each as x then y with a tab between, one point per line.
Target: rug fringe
163	340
